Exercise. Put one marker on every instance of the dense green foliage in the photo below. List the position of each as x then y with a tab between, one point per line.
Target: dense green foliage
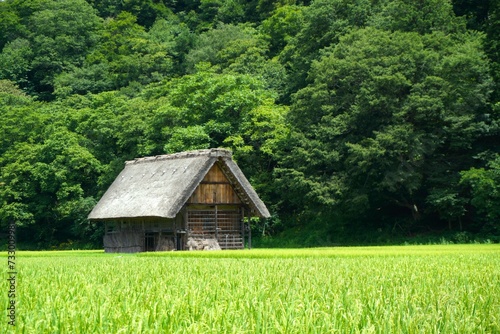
405	289
356	121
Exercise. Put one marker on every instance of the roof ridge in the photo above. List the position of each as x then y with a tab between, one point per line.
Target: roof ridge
212	152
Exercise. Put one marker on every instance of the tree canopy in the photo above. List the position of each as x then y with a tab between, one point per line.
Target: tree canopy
357	121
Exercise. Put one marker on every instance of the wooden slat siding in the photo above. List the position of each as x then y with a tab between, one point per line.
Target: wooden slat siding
229	236
215	188
202	224
215	174
216	205
123	242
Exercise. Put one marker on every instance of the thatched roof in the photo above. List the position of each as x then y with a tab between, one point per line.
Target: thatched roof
159	186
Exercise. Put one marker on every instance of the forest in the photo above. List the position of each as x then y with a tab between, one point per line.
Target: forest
356	121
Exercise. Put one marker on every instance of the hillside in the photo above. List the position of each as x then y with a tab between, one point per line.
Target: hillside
356	121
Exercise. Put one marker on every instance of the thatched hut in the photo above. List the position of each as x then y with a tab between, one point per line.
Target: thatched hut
188	200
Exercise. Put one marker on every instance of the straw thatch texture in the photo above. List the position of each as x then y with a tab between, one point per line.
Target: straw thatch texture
160	186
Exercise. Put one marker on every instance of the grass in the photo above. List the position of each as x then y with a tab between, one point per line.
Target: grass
406	289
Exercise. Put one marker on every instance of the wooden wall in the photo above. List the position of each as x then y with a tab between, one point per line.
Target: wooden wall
214	189
141	234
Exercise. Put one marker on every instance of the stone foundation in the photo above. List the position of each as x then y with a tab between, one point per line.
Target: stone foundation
202	244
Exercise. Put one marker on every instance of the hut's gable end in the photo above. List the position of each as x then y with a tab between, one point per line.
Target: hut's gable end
215	188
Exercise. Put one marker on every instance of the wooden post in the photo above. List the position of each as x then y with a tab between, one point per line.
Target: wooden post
186	235
242	227
158	242
249	236
216	224
249	232
176	241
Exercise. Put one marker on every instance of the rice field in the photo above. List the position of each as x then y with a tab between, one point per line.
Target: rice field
407	289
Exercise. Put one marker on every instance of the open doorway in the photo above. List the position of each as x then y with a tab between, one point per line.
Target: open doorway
160	242
151	241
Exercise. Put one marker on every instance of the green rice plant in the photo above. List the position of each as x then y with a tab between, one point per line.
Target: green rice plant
408	289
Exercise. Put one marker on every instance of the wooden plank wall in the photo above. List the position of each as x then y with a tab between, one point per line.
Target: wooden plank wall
215	188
